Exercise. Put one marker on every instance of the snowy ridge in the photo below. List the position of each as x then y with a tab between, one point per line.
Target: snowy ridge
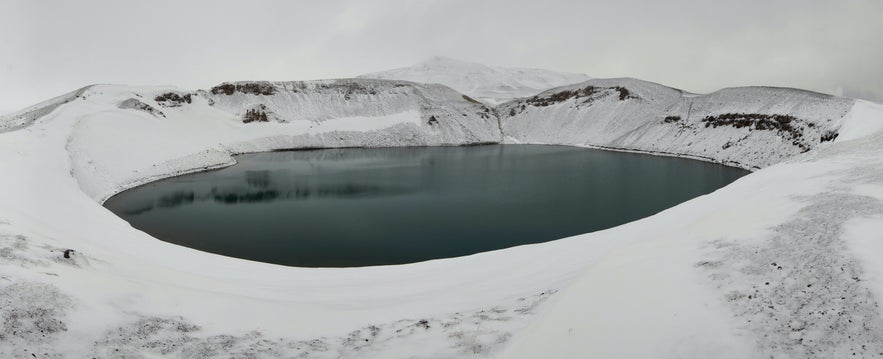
492	85
25	117
780	263
749	127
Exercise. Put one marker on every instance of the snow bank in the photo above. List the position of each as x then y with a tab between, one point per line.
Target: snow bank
690	281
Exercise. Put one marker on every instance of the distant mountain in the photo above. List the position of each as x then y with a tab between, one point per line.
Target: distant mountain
492	85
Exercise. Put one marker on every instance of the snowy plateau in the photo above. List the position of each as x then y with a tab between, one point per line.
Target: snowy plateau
782	263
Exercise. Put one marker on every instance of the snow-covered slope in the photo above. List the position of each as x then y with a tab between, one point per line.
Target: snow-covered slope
28	115
783	263
492	85
750	127
780	263
245	117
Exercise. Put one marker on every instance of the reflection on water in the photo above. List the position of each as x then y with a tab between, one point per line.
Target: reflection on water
176	199
354	207
244	197
289	191
259	179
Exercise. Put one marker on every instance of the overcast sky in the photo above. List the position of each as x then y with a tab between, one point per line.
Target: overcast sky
51	47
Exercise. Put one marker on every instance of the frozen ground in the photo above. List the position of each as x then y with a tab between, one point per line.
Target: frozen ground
781	263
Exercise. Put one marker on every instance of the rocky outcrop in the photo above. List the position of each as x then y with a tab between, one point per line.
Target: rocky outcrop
172	99
135	104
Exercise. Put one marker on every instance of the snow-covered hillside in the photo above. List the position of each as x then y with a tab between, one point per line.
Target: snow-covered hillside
235	118
782	263
492	85
750	127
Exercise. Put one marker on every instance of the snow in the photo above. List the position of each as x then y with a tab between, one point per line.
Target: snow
624	306
24	117
852	129
637	123
493	85
778	280
862	237
319	117
676	284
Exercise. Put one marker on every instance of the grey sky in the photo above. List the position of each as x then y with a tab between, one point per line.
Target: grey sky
51	47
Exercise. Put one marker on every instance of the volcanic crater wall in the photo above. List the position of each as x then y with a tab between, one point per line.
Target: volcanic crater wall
446	116
749	127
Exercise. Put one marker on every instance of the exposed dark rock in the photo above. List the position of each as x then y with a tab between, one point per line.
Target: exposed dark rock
433	120
171	99
226	89
259	113
135	104
785	125
254	115
355	88
585	92
623	93
561	96
485	112
346	87
829	136
253	88
671	119
470	99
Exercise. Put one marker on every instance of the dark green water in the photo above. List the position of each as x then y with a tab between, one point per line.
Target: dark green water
361	207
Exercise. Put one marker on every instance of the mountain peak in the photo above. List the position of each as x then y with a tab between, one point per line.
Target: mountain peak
444	60
441	59
487	83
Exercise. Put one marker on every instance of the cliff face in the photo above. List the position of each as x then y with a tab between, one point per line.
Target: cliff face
750	127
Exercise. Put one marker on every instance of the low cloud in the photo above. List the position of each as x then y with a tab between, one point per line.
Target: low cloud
50	48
